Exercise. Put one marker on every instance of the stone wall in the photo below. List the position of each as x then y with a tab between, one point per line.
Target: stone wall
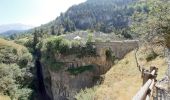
119	48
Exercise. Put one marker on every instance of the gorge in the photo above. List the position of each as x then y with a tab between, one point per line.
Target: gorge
79	73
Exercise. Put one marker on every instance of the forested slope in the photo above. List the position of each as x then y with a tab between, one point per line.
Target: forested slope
98	15
15	75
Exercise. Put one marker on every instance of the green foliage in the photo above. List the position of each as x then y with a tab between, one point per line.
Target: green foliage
98	40
55	66
86	51
105	16
80	69
8	54
59	45
29	45
151	56
25	59
110	56
90	37
11	77
155	22
24	94
15	75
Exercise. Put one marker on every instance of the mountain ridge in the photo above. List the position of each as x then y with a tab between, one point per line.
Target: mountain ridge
9	29
105	16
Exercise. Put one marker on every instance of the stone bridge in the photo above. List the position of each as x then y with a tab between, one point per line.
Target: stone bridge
119	48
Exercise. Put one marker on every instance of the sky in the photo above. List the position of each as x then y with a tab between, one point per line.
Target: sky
33	12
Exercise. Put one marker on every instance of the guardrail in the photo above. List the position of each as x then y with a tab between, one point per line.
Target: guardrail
149	79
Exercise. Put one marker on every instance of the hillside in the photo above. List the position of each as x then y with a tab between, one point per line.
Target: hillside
15	75
9	29
105	15
123	80
4	98
88	52
11	32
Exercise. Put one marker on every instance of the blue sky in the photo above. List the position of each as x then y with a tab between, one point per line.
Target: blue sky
33	12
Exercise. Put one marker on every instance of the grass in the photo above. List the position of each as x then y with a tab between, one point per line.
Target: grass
81	69
2	97
18	47
123	80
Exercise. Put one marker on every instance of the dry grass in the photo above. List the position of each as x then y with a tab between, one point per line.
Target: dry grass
123	80
4	97
10	43
18	47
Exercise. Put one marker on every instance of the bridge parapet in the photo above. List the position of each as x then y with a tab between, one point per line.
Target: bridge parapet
119	48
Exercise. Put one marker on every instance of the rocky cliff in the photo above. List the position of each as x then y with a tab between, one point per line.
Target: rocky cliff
77	73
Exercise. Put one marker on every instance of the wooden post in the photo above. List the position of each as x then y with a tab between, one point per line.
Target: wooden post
149	78
145	76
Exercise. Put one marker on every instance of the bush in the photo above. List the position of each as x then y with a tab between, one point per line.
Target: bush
11	79
86	51
80	69
151	56
90	37
24	94
55	66
58	45
110	56
54	46
15	65
24	60
98	40
8	55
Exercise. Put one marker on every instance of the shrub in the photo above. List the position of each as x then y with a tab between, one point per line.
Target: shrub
15	65
90	37
88	50
60	46
8	54
98	40
80	69
55	66
151	56
25	59
110	56
11	77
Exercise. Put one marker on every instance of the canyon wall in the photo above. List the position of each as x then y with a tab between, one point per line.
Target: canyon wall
63	85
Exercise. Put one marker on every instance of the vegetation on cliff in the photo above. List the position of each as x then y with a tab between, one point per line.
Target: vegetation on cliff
154	25
15	75
124	76
59	46
80	69
148	20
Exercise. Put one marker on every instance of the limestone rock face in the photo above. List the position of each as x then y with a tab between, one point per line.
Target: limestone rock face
63	85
